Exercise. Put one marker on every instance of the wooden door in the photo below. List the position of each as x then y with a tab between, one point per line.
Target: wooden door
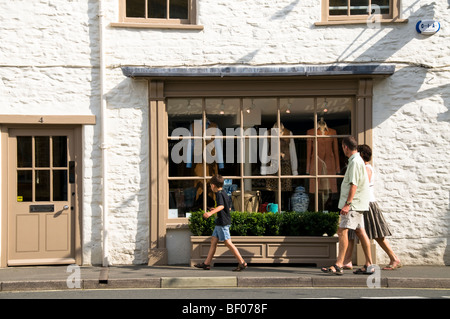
41	197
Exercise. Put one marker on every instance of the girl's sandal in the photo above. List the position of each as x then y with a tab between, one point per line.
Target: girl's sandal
240	267
337	270
203	266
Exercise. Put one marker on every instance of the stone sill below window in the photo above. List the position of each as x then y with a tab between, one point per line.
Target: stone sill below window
345	22
178	223
156	26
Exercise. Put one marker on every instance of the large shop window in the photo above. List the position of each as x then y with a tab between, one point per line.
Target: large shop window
281	151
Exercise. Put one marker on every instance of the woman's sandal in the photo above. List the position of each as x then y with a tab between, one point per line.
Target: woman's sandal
393	266
364	270
203	266
240	267
348	266
337	270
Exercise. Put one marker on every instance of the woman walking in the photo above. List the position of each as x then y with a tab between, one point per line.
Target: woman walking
374	223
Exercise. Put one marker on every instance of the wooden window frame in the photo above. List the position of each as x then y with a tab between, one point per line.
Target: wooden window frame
190	23
161	89
392	17
241	178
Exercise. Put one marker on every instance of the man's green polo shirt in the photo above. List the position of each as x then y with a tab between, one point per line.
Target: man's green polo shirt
356	174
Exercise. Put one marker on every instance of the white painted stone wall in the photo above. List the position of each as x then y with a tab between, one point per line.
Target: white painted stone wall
49	64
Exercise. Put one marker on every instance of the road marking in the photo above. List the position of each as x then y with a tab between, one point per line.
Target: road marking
396	297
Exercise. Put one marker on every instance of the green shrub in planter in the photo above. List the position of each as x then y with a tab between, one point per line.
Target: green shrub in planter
270	224
239	224
256	224
200	226
291	224
317	224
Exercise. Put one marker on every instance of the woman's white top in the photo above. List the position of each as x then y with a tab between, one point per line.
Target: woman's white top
371	183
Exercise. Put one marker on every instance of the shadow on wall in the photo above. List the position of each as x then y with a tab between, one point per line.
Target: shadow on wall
391	43
131	97
92	209
124	94
416	80
285	11
129	153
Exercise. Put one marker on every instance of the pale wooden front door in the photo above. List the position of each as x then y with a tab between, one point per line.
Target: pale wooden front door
41	197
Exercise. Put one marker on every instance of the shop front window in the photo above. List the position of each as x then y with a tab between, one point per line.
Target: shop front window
276	154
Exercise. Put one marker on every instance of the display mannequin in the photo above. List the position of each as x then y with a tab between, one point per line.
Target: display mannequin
287	157
196	156
328	158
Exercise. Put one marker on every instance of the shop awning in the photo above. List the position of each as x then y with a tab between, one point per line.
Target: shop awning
370	70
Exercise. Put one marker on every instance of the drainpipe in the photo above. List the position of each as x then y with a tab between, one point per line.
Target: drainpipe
104	144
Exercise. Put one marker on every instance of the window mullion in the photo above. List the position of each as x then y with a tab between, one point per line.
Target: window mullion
205	183
168	9
146	9
241	146
278	200
316	158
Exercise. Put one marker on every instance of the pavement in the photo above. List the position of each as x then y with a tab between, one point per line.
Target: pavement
178	277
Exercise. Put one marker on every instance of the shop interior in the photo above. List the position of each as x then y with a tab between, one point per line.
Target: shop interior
282	153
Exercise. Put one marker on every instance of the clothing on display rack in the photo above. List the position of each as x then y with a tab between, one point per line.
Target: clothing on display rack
327	158
196	129
287	159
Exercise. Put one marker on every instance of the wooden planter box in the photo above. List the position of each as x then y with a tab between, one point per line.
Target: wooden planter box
270	250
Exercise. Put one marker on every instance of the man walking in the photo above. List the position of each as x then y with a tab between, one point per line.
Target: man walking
353	201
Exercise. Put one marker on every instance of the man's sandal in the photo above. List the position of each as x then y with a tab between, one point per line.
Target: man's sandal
337	270
203	266
365	270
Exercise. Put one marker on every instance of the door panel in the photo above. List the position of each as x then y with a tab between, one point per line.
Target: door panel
27	233
58	239
41	200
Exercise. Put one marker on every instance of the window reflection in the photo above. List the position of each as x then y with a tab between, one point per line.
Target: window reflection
24	186
24	151
42	168
42	151
42	185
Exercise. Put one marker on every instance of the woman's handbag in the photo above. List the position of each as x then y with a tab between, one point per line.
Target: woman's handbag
251	201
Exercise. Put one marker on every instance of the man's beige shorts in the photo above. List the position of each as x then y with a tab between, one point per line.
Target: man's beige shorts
352	220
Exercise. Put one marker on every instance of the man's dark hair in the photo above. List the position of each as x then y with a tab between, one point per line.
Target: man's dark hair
365	151
350	142
217	180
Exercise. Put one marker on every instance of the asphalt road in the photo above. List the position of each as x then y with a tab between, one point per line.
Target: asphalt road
234	294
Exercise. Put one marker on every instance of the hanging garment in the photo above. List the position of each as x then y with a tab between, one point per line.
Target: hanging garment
328	160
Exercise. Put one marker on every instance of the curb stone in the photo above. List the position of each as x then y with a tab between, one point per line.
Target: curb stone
436	283
58	278
198	282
